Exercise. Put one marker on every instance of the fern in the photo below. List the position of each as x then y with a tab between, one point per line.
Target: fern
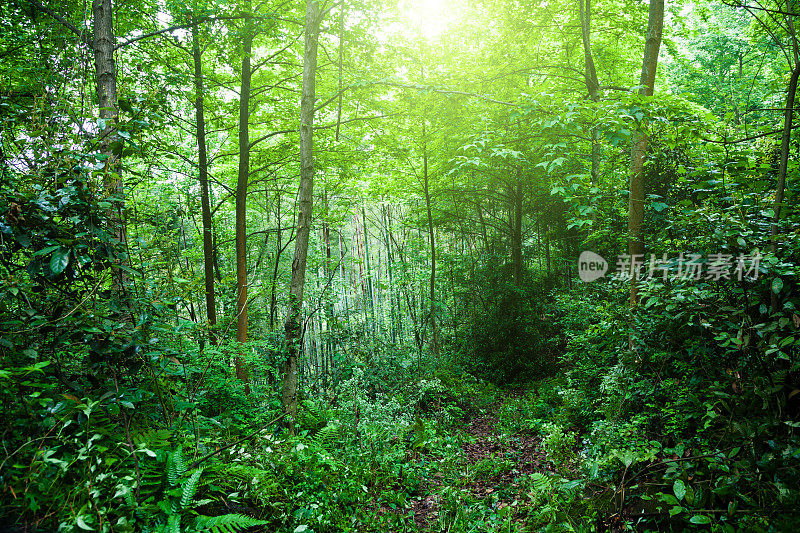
249	474
190	488
312	416
328	436
176	466
229	523
174	523
151	438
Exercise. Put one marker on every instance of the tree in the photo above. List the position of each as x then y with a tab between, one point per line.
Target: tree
241	194
202	163
655	24
293	326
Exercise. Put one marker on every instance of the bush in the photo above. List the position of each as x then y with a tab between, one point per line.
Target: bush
510	335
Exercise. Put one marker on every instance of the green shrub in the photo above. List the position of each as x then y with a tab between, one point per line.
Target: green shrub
511	335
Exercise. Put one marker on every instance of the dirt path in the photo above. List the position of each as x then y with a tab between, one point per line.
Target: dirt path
494	461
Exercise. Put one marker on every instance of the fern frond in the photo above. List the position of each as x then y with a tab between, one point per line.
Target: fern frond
174	523
190	488
176	466
248	474
228	523
328	436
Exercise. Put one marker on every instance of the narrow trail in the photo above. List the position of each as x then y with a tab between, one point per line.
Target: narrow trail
492	463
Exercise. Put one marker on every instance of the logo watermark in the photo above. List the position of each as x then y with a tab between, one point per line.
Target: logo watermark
680	266
591	266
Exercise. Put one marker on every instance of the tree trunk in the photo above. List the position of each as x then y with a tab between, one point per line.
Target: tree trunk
368	274
516	232
103	42
434	341
106	73
330	315
655	24
782	170
273	299
293	326
592	84
547	247
205	204
241	197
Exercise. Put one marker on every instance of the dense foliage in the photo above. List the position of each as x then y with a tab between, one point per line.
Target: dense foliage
408	341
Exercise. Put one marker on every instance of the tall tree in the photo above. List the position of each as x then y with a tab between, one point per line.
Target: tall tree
103	41
590	75
241	193
434	341
293	325
202	162
655	24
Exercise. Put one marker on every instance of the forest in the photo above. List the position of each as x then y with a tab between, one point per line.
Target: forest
382	266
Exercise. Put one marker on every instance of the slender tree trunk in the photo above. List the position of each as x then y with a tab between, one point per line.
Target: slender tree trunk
516	232
434	341
273	299
293	325
205	203
390	274
368	273
592	84
547	247
655	24
345	285
484	233
782	170
330	315
241	197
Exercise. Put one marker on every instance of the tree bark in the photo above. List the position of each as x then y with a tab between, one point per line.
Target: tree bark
106	81
273	299
782	169
293	326
103	41
592	84
655	25
205	204
241	197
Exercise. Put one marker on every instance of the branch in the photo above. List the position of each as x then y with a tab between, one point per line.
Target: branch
760	8
249	436
615	88
442	91
267	136
201	20
752	137
61	20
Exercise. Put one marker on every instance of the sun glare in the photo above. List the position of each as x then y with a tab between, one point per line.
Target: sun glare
429	19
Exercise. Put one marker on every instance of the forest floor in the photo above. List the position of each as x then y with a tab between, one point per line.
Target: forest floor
487	467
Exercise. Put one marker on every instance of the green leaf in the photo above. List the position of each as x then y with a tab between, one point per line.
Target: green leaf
777	285
669	498
83	525
679	488
675	510
700	519
45	251
59	260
